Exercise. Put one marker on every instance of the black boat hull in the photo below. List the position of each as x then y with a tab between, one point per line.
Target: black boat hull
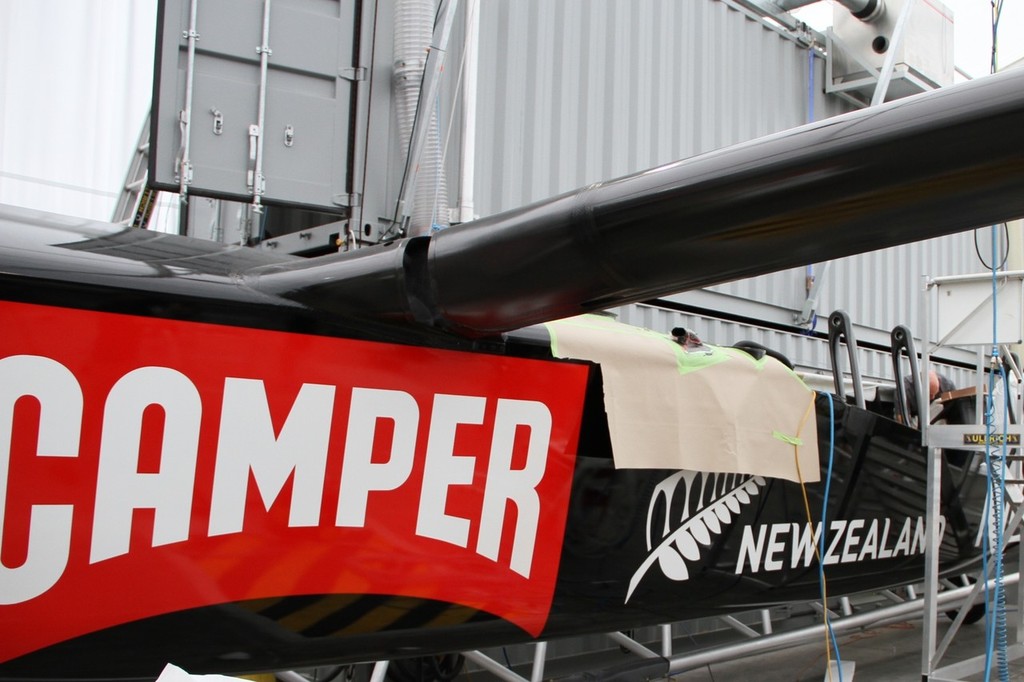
605	549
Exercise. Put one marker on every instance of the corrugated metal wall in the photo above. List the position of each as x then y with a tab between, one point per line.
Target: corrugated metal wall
579	91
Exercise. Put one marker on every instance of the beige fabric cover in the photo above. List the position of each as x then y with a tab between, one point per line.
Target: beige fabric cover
705	408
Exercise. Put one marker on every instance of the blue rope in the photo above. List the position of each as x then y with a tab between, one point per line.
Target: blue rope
1001	631
824	531
995	608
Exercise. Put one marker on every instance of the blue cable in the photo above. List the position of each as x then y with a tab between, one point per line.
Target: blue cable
984	568
995	605
824	531
995	624
1001	633
999	485
989	518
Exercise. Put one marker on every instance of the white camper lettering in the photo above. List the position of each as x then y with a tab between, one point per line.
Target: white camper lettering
249	445
120	488
444	468
519	486
148	459
60	418
360	475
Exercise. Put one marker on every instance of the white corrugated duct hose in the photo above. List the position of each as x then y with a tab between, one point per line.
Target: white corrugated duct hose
414	24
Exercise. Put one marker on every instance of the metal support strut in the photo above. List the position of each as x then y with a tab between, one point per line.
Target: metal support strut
902	342
255	176
184	163
840	330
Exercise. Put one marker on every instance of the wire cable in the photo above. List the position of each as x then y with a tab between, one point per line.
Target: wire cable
997	11
1006	251
993	522
830	636
995	623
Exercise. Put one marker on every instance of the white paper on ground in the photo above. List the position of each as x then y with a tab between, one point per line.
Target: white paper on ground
172	673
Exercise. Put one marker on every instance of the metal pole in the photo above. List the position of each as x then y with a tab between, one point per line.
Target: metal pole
469	104
631	644
931	562
540	653
185	115
289	676
492	666
932	482
896	613
954	627
1018	593
766	621
256	135
739	627
380	669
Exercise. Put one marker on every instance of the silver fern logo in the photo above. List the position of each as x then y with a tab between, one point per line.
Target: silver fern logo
708	501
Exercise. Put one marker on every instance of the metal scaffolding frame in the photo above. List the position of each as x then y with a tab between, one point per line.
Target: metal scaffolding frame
961	318
882	608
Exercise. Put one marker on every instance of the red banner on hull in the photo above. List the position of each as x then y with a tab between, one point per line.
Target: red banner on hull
149	466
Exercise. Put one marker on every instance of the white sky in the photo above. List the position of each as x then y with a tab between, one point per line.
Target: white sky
76	84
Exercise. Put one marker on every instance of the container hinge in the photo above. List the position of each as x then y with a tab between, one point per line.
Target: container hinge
353	73
253	178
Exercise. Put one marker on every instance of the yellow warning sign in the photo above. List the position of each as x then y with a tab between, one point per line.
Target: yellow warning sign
992	439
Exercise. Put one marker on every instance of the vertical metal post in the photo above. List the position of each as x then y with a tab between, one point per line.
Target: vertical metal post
766	621
1018	594
666	640
540	653
930	298
365	17
256	132
931	572
931	553
469	102
184	162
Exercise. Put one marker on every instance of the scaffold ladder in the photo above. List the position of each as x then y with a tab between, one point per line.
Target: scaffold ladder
137	200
